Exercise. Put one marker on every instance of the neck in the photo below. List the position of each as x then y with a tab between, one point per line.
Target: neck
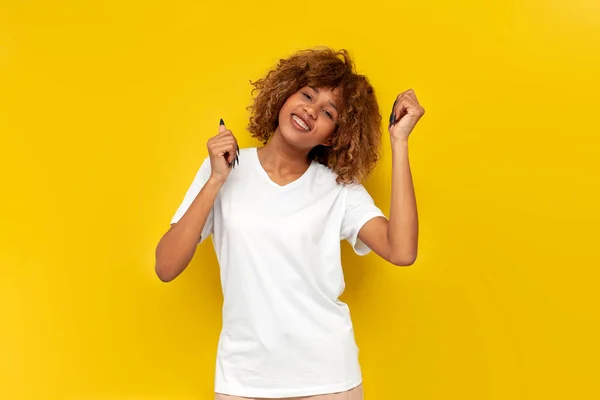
278	155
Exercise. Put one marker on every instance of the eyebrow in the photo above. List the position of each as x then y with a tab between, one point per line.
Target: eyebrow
332	104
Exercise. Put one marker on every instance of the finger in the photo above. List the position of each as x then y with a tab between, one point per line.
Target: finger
224	150
393	109
220	137
227	150
403	108
233	154
400	109
225	133
412	96
224	141
411	93
399	105
220	142
230	155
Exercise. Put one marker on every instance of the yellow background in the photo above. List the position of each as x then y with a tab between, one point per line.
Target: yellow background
105	110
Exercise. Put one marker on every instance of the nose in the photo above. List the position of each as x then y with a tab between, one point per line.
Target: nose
310	110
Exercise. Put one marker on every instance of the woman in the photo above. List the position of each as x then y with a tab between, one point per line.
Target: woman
277	214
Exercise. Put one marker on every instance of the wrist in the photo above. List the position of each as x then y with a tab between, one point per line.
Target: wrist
216	181
399	141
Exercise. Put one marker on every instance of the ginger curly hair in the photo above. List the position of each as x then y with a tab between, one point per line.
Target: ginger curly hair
356	141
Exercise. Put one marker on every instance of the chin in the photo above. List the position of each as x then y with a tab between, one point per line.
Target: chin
294	136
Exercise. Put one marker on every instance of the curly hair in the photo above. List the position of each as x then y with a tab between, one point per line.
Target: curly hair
356	141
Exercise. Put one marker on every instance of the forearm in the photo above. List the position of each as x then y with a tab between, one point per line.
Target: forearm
404	226
178	246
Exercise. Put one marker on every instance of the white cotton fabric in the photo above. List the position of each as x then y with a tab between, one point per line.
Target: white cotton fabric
285	333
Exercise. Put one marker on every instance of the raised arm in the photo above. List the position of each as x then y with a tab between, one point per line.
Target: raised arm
396	240
178	245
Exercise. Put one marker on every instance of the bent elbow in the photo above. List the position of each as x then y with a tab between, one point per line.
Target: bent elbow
163	273
403	260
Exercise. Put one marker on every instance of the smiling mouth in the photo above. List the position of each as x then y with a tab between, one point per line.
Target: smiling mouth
300	122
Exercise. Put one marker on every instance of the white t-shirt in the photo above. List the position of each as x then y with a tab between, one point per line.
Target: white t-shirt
285	333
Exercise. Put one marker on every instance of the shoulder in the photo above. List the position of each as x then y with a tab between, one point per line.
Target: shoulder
325	176
326	173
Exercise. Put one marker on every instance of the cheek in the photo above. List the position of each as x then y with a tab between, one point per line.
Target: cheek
327	126
286	109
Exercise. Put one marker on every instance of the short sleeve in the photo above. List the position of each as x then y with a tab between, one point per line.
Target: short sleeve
199	181
359	208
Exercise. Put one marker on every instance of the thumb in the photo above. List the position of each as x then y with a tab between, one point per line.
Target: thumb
222	127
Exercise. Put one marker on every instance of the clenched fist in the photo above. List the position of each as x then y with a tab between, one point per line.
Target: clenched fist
223	151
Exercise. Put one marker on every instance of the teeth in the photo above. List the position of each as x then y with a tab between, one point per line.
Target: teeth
300	122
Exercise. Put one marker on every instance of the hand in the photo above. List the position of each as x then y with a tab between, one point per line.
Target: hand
223	151
406	112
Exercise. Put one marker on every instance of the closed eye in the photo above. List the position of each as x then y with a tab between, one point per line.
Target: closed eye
308	96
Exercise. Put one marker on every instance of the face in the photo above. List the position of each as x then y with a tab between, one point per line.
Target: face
308	117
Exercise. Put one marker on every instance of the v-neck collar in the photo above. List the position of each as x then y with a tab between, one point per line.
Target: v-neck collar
270	181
